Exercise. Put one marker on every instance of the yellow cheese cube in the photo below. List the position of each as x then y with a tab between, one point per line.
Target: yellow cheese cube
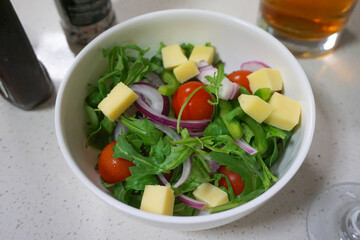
186	71
265	78
211	195
158	199
117	101
255	107
286	112
173	56
200	53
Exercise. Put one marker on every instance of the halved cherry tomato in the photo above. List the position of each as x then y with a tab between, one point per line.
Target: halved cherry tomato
240	77
198	107
111	169
235	179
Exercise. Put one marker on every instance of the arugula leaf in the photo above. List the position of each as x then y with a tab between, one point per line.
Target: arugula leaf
230	190
273	156
248	133
275	147
160	151
255	165
239	200
181	209
93	122
144	165
145	129
272	131
123	67
135	141
94	97
187	48
157	61
250	176
127	196
102	136
215	128
215	84
178	154
135	182
126	64
120	192
137	71
163	157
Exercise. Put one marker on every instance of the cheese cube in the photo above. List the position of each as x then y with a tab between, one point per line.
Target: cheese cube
200	53
158	199
286	112
117	101
255	107
173	56
211	195
265	78
186	71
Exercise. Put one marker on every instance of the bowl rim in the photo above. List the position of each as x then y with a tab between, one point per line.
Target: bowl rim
299	159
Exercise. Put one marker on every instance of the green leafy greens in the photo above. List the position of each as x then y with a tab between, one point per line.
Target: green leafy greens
154	153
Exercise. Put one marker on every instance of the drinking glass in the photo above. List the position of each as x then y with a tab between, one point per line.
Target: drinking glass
308	28
335	213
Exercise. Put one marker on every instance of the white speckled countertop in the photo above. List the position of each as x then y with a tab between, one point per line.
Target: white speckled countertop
40	197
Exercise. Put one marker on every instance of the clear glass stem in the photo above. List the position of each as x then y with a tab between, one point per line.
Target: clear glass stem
350	228
335	213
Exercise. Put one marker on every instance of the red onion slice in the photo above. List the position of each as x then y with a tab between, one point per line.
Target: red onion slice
207	70
202	63
235	92
227	91
191	202
119	128
253	66
196	134
162	180
153	98
246	147
183	198
191	125
187	165
153	78
168	131
213	165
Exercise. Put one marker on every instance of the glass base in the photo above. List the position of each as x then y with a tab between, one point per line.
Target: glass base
303	48
335	213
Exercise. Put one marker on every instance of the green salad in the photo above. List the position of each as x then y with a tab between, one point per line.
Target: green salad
177	134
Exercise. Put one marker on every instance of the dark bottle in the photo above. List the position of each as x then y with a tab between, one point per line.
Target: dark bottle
83	20
23	79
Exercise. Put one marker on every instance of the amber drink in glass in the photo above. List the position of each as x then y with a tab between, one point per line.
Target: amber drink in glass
309	28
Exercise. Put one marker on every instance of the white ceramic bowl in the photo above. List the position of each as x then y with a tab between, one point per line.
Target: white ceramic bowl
236	41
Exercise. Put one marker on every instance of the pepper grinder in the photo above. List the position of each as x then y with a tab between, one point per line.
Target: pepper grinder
24	81
83	20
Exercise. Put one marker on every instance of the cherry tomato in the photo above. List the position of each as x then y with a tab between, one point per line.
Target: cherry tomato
111	169
198	107
235	179
240	77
